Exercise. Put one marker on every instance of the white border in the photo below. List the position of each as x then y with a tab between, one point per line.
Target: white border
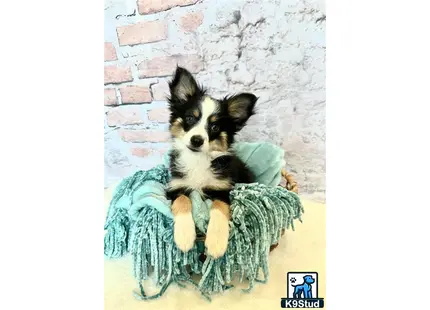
377	154
52	155
52	150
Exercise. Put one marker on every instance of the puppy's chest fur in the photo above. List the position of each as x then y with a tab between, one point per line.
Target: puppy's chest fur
196	170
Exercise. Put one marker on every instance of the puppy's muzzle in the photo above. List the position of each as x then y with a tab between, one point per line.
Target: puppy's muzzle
197	141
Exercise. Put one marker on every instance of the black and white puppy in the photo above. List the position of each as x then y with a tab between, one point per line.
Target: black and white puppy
203	130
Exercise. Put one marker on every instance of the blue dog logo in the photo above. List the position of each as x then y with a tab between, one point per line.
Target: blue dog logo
304	290
302	294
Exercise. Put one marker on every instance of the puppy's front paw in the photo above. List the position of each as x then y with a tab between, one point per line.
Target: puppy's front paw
217	234
184	231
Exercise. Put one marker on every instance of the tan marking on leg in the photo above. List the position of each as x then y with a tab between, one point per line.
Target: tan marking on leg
222	207
218	229
182	204
184	229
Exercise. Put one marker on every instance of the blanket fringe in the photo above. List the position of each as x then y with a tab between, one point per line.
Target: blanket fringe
259	215
115	243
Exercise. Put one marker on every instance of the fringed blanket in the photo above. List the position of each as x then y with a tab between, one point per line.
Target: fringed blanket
140	222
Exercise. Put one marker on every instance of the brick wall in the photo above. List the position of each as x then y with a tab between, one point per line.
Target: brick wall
275	50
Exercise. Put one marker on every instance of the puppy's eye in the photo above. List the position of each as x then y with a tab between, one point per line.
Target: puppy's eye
189	119
214	128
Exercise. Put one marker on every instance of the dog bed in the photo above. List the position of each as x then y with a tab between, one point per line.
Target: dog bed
139	222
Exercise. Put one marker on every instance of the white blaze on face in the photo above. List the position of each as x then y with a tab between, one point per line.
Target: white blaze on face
209	106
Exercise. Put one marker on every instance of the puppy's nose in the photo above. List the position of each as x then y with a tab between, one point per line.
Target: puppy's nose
197	141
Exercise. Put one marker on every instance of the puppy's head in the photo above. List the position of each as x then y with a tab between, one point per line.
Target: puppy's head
202	123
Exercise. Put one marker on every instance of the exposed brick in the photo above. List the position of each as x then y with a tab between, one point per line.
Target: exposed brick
153	6
116	74
191	21
161	115
142	32
141	151
110	52
135	94
144	135
145	151
160	90
127	115
110	97
165	65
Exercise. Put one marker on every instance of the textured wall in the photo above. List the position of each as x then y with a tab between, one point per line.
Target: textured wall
275	49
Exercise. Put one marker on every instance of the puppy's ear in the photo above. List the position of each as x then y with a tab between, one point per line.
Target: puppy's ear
183	86
241	108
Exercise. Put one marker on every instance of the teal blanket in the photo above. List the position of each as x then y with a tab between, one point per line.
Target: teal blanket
139	221
265	160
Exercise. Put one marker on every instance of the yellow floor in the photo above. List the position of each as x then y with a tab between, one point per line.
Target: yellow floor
301	250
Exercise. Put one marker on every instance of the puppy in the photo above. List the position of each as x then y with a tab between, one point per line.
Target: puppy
203	129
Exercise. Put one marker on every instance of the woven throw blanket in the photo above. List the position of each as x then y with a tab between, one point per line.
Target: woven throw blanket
140	222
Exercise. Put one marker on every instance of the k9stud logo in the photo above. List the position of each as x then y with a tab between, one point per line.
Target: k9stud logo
302	291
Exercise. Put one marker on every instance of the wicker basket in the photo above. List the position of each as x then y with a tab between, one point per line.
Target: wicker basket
290	185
